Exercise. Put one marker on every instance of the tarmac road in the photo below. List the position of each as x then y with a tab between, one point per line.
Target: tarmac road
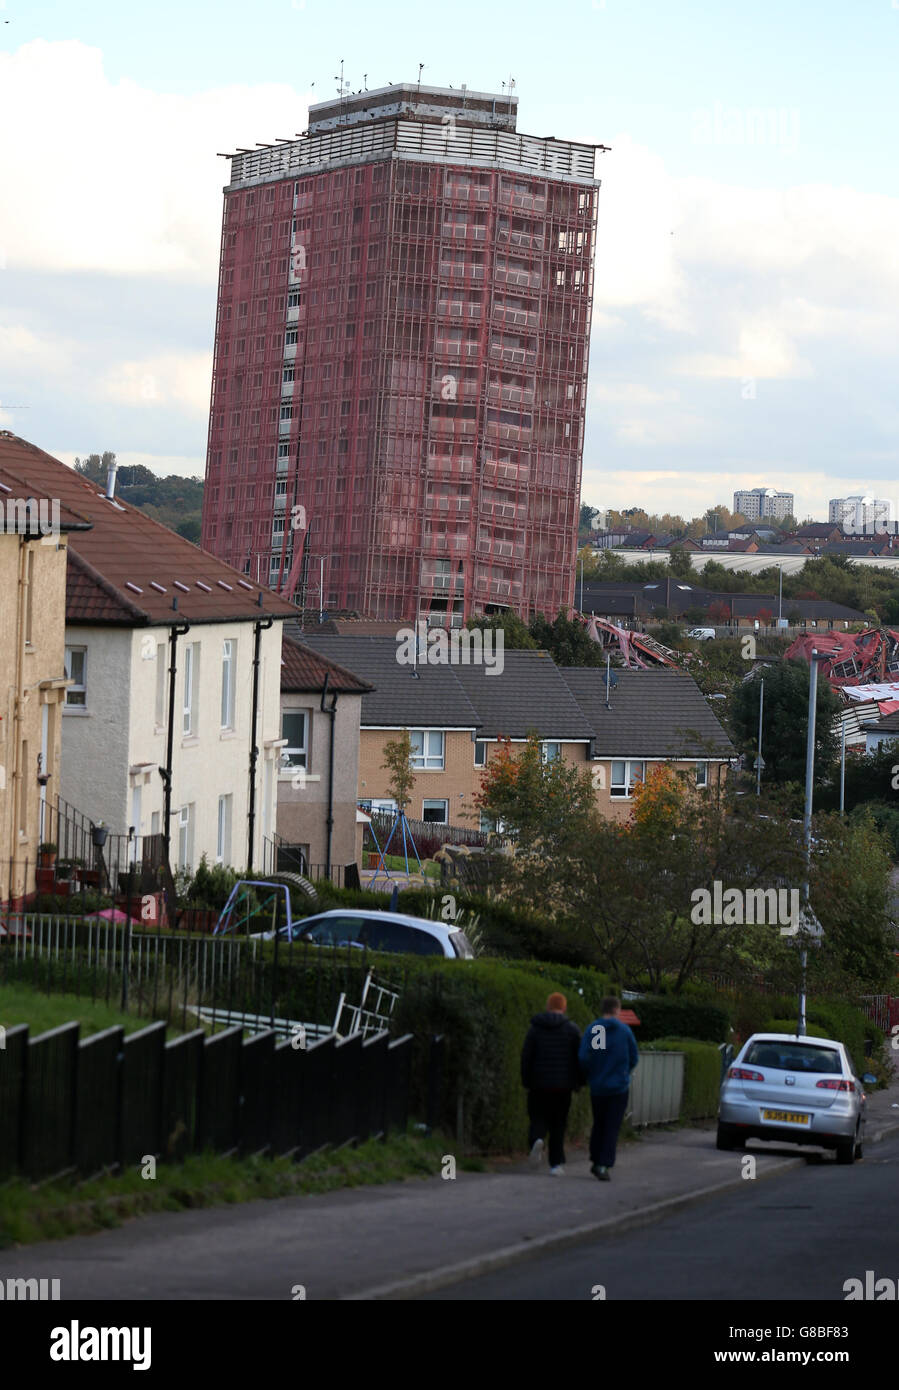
798	1236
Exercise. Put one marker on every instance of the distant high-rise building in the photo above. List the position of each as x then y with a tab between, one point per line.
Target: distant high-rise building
759	502
860	513
401	353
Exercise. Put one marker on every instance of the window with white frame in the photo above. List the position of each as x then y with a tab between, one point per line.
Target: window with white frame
702	774
186	837
435	811
427	749
480	752
550	751
159	715
191	681
295	728
76	671
625	776
223	831
229	662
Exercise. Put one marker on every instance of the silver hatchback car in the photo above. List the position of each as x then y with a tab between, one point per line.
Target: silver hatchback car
792	1088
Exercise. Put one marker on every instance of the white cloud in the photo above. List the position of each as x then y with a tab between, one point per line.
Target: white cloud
114	177
169	379
633	392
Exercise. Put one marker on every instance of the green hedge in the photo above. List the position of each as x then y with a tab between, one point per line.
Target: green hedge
702	1075
837	1018
573	980
670	1016
483	1008
788	1025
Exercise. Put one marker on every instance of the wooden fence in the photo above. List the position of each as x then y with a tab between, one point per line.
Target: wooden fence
73	1105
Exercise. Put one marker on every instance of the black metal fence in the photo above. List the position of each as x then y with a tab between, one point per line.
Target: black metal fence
79	858
170	975
72	1105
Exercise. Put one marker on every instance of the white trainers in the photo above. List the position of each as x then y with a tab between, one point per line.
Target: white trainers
536	1155
558	1171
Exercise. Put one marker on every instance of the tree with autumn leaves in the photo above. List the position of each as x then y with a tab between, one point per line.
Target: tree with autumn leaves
624	890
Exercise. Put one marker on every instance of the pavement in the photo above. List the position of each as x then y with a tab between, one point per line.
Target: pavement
403	1240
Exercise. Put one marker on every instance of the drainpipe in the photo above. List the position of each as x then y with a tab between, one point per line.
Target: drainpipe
18	772
331	711
258	629
166	772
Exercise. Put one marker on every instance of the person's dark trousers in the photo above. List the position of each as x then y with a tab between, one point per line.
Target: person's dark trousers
548	1114
608	1112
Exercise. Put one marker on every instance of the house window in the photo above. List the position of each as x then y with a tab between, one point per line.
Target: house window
191	678
702	774
550	751
159	715
223	831
186	837
435	811
294	727
229	651
625	776
480	752
427	749
76	670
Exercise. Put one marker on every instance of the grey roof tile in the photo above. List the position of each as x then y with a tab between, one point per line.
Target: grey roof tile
652	714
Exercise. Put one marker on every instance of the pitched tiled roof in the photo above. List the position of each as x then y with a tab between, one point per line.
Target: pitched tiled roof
654	713
530	694
402	696
16	488
651	714
129	568
304	669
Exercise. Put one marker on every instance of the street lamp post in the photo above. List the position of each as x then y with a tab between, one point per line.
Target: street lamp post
807	832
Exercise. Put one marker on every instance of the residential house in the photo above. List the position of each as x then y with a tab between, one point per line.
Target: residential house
458	716
321	707
34	534
171	722
883	733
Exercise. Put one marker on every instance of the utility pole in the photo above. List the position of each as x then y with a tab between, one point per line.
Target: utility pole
842	765
758	761
807	827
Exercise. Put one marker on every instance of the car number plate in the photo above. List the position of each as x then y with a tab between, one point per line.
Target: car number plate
786	1117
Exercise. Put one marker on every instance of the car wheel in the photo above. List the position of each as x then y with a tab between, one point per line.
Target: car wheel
727	1140
846	1151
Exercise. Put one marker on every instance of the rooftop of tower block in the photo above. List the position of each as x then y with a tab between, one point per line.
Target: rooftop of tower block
411	101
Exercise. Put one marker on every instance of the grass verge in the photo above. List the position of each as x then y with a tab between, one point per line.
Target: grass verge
22	1003
69	1207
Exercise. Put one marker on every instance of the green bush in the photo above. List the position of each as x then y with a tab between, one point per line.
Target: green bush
591	985
667	1016
483	1008
509	932
837	1019
702	1075
788	1025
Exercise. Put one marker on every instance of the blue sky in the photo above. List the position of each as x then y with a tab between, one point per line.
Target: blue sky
748	258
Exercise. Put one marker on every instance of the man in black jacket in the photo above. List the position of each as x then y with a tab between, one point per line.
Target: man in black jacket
550	1071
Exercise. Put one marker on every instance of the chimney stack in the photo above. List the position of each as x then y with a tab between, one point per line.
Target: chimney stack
110	480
